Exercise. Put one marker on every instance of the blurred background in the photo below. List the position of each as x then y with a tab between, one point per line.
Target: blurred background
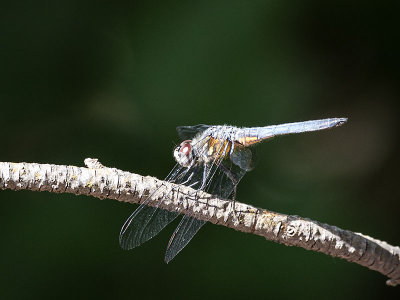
112	80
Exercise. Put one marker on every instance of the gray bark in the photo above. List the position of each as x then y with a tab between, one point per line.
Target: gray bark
102	182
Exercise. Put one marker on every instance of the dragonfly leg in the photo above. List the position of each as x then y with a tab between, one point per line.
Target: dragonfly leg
234	201
203	184
235	182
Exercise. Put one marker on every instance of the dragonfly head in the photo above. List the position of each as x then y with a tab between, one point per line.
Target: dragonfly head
183	154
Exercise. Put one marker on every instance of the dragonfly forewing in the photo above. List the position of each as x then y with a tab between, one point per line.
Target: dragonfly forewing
145	223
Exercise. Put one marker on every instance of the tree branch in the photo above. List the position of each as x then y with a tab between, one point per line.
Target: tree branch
102	182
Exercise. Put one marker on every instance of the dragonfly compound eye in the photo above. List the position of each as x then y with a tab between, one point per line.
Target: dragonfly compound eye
183	153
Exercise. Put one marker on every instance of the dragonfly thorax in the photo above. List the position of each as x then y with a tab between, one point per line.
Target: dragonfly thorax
183	154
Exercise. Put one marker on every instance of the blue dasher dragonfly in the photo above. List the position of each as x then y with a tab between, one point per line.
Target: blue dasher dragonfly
212	159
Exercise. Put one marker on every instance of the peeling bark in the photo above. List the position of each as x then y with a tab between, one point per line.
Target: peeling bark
102	182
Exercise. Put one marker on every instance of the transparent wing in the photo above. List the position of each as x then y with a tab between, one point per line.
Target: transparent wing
220	179
188	132
147	221
244	157
182	235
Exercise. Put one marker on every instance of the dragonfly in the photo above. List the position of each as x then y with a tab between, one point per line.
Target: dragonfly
211	159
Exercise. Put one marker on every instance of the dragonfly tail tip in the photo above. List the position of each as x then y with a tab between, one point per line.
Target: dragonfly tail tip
341	121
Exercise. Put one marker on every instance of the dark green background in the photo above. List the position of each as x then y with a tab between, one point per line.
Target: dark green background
112	80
